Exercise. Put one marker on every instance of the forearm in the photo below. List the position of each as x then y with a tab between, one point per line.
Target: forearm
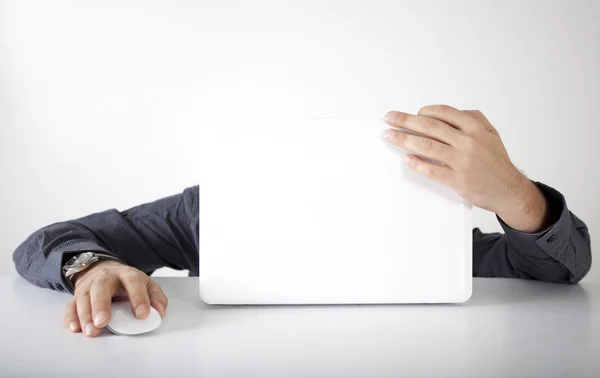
163	233
525	209
40	258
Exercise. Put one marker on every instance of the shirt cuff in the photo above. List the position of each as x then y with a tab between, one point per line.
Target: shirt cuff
549	242
52	272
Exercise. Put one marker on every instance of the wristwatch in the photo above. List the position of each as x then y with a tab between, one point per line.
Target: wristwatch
81	262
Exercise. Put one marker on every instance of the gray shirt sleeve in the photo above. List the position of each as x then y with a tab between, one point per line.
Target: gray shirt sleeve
164	233
561	253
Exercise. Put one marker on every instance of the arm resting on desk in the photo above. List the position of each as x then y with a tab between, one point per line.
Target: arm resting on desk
561	253
151	236
165	233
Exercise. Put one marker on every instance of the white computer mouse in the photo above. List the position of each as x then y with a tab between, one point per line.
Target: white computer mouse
122	321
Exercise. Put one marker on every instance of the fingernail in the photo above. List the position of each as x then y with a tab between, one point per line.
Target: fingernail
407	158
140	310
89	329
389	117
389	135
99	318
73	326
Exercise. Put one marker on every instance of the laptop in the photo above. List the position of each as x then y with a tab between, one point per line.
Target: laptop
324	211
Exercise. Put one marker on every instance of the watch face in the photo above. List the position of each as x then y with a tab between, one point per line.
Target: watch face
80	260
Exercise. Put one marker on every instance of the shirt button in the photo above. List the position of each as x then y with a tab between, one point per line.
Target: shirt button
551	239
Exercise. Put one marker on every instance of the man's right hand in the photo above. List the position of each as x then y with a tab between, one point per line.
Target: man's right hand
89	310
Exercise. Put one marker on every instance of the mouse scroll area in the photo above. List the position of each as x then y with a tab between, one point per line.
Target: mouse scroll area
123	322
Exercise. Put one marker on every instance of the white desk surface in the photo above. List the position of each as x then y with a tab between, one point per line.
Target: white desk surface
509	328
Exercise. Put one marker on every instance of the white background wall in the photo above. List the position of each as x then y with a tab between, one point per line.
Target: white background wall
99	99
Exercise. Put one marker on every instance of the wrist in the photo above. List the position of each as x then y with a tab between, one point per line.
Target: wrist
526	208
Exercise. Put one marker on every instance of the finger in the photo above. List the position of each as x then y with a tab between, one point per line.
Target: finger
451	116
158	299
438	173
421	145
483	119
71	319
84	311
101	293
430	127
135	284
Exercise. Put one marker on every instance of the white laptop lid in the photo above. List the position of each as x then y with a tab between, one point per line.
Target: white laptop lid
323	211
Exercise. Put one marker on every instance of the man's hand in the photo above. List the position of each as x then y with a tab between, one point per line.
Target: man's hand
90	308
473	161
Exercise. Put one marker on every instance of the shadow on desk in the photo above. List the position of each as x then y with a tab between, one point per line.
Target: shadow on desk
486	292
497	291
187	311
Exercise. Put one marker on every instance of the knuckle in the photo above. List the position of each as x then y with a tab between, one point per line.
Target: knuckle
430	124
427	109
408	141
134	277
133	280
69	312
136	298
440	109
155	288
101	307
400	118
84	314
101	272
70	318
157	292
469	144
481	129
103	279
101	295
104	272
163	298
428	145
